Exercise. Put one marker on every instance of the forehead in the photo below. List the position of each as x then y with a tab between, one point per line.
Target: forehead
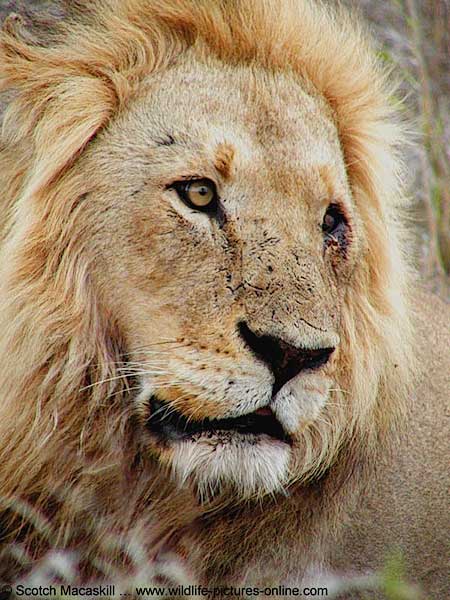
264	119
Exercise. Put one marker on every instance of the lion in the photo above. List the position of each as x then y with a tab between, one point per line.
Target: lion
213	338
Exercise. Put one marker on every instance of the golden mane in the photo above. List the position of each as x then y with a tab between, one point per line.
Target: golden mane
56	340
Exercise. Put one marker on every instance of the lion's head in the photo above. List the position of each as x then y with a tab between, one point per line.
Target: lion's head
229	309
202	244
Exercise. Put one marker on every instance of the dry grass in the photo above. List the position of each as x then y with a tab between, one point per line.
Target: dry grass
61	568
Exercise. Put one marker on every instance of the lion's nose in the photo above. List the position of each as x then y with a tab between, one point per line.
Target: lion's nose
285	360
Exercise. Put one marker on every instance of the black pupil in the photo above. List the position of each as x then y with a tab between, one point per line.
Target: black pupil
329	222
333	220
203	190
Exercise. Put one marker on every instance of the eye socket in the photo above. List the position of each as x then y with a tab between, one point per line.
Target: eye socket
200	194
335	224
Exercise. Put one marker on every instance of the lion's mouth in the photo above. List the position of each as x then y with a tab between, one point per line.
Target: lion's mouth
170	424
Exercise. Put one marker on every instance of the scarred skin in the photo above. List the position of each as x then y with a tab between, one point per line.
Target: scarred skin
119	296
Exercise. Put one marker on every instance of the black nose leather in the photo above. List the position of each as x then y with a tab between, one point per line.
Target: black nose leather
285	360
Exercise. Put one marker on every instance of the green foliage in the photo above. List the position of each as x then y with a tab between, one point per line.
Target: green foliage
393	580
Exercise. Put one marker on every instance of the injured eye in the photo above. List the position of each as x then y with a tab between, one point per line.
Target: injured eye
335	226
199	194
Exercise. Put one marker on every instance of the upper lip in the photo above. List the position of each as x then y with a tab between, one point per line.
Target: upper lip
167	422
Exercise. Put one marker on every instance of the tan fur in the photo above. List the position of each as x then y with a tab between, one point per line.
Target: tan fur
112	289
224	160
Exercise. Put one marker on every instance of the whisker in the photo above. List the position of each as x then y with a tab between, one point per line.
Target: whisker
148	347
129	389
108	380
339	390
155	371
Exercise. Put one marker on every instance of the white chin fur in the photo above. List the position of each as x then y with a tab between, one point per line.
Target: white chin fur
250	469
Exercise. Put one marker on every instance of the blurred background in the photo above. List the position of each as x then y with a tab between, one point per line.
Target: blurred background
412	38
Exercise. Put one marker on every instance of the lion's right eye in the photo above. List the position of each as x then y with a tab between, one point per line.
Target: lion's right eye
335	226
200	194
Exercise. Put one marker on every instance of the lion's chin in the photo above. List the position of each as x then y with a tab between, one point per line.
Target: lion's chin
244	465
247	456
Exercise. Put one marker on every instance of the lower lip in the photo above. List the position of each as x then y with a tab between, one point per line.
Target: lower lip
223	437
265	431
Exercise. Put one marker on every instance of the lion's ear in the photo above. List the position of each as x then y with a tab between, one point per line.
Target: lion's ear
58	102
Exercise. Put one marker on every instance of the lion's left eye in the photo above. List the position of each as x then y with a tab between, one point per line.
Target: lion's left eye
200	194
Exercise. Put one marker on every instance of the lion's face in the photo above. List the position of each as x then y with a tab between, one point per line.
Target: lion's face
224	234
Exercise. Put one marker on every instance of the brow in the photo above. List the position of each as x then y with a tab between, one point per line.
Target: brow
223	156
223	160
